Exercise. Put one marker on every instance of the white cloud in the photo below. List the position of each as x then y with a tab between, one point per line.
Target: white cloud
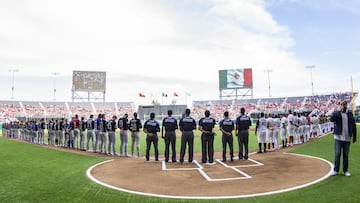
151	38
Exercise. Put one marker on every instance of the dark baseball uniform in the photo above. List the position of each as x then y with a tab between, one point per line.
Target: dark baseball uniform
134	127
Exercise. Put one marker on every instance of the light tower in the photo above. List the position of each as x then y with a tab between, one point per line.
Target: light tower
312	83
55	74
13	71
268	73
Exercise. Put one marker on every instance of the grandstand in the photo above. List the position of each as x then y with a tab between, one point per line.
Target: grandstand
21	110
24	110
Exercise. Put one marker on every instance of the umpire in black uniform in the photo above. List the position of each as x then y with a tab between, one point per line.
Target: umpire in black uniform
187	124
243	122
206	125
226	127
151	127
169	124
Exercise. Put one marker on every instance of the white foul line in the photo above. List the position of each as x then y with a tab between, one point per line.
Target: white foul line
88	173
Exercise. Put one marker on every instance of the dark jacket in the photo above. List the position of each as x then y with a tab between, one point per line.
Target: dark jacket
337	119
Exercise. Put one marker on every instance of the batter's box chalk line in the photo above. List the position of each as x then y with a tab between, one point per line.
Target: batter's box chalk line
200	168
207	197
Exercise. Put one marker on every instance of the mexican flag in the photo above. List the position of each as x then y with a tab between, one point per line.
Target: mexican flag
235	78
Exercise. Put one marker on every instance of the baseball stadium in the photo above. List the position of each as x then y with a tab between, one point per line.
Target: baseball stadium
80	167
179	101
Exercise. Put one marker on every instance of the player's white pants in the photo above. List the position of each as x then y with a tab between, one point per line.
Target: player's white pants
104	136
261	136
76	137
112	142
41	136
90	136
135	139
270	136
97	141
276	138
82	139
61	134
123	142
283	133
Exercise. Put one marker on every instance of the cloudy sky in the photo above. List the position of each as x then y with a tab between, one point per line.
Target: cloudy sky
178	46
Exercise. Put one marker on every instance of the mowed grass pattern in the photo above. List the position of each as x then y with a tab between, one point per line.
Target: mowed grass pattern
32	173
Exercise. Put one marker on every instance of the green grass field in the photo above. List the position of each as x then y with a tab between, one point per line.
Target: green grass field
32	173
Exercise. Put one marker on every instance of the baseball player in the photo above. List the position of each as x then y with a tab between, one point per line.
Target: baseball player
111	124
123	124
51	135
135	126
90	124
260	129
82	129
61	132
277	124
103	134
270	133
97	133
283	127
76	131
291	128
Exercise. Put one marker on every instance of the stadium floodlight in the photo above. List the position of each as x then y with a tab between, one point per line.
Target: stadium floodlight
268	72
13	71
312	83
55	74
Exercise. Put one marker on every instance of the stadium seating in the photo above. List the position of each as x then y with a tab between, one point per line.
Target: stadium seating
31	109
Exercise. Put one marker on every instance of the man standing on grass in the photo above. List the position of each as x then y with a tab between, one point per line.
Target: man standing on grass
90	124
134	127
123	124
260	130
344	130
111	125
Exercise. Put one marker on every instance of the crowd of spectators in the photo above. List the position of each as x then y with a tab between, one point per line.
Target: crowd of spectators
324	103
9	110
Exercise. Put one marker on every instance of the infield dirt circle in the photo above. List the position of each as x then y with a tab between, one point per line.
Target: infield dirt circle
261	174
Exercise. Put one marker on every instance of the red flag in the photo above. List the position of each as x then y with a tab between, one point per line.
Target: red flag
175	94
141	95
164	95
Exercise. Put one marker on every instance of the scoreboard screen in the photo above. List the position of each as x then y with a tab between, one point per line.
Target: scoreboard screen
94	81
